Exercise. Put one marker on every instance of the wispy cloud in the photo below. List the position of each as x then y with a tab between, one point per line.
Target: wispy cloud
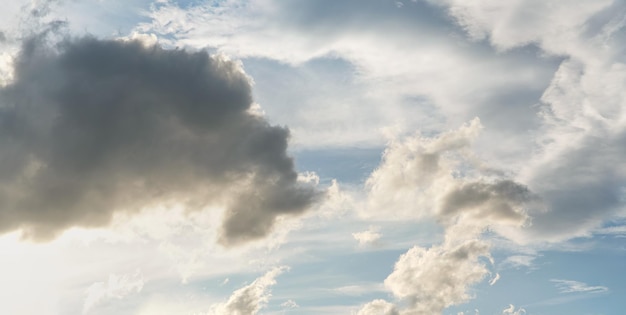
571	286
360	289
519	261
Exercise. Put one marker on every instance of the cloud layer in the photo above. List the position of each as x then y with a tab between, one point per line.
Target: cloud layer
92	127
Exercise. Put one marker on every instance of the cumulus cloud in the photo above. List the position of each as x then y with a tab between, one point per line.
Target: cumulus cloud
250	299
511	310
420	177
369	236
415	170
499	201
439	177
90	128
432	279
116	287
378	307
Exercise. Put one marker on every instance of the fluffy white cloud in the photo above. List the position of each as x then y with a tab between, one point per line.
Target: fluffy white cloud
440	177
116	287
250	299
511	310
369	236
432	279
378	307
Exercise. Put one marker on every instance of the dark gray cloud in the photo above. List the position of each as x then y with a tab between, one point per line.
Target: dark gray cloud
90	127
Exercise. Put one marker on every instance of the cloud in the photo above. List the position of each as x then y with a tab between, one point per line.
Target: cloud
432	279
494	279
420	178
584	130
512	311
250	299
289	304
116	287
517	261
359	289
372	40
560	79
582	125
439	177
571	286
555	26
370	236
378	307
414	171
499	201
90	128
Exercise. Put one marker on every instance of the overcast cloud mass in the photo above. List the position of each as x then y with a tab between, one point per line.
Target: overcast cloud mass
359	157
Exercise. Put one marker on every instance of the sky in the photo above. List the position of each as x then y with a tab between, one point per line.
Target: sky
358	157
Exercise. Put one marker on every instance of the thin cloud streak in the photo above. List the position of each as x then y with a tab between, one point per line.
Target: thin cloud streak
571	286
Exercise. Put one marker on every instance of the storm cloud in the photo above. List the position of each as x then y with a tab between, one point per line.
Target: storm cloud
90	127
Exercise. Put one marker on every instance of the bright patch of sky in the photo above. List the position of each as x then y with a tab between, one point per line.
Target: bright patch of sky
353	157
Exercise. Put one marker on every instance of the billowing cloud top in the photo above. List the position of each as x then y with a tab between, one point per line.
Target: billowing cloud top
91	127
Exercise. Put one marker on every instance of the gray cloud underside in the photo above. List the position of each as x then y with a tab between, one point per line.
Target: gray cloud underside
91	127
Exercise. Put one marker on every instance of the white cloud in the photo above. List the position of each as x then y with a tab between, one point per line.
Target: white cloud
289	304
511	310
393	78
571	286
378	307
359	289
368	237
433	279
442	178
115	288
618	231
556	25
581	126
412	92
517	261
250	299
495	279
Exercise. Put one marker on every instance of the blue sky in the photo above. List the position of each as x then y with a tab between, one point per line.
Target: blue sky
360	157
